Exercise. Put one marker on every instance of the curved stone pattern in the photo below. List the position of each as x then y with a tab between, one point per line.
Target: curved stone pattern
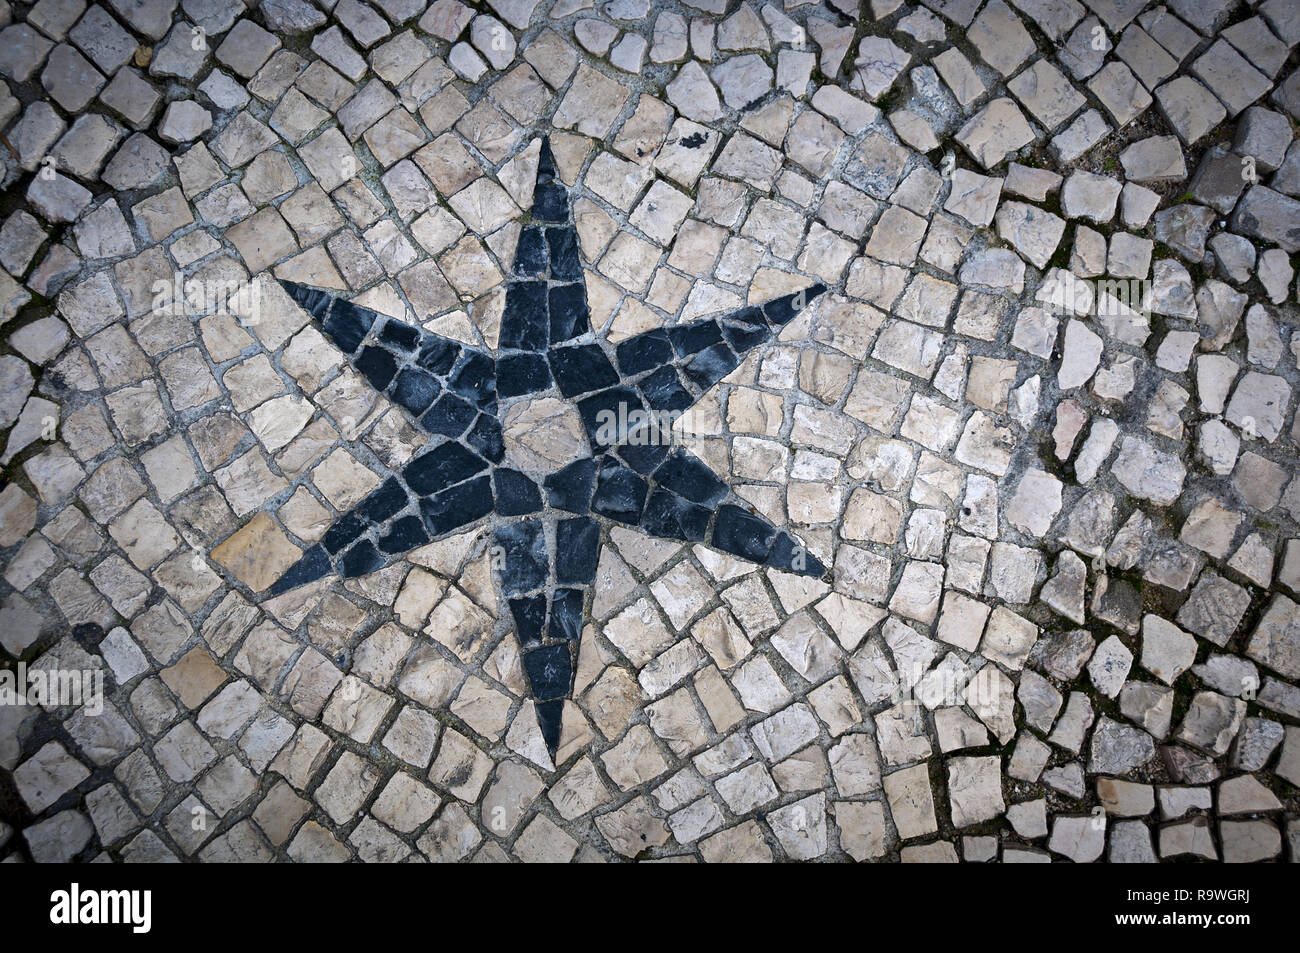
743	431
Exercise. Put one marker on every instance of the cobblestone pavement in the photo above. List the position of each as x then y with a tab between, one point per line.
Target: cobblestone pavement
976	538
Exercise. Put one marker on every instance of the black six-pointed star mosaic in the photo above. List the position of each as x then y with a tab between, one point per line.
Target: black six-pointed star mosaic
547	525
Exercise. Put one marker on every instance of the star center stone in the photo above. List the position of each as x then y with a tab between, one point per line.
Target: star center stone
543	435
